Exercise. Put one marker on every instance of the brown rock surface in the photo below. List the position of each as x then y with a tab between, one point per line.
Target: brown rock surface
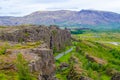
45	64
95	59
53	36
85	78
41	60
76	73
63	65
116	76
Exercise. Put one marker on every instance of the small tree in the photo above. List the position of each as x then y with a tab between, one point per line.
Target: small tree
23	70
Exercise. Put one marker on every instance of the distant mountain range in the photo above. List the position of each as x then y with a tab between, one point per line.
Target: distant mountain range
65	18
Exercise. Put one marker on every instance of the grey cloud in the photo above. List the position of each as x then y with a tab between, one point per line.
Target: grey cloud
23	7
48	1
0	7
63	8
4	0
15	13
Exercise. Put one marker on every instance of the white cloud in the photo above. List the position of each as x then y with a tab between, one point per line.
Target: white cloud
24	7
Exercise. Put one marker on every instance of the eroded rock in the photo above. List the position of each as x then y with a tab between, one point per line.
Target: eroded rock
116	76
41	60
95	59
54	37
84	78
63	65
75	73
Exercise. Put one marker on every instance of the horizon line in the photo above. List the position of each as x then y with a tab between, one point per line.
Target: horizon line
61	10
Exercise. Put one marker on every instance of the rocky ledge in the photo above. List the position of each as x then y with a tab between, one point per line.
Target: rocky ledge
36	44
54	37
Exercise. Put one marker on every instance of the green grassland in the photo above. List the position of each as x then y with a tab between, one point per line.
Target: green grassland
102	45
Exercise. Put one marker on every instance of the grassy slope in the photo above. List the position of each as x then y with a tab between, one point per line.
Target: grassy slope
61	75
93	43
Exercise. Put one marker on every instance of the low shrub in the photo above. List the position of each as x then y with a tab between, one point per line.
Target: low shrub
23	70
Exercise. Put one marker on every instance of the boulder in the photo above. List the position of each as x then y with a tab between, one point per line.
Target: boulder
116	76
111	71
84	78
75	60
63	65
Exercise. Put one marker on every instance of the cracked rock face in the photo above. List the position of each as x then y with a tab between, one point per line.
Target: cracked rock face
44	64
53	36
41	59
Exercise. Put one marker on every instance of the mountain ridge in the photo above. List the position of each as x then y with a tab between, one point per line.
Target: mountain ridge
64	18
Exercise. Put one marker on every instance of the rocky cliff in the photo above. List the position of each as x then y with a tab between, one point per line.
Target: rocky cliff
40	60
53	36
35	43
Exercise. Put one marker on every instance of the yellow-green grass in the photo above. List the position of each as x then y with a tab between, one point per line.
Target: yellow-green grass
105	36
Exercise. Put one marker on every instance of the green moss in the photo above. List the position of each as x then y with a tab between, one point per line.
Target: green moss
8	75
26	34
20	40
2	76
3	48
54	32
2	51
26	45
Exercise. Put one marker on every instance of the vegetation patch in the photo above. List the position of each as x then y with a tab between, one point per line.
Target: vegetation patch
100	50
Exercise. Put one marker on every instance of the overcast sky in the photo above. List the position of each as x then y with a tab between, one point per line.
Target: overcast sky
24	7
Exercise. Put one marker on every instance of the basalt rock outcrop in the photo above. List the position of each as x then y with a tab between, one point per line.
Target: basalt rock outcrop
45	64
76	72
53	36
40	58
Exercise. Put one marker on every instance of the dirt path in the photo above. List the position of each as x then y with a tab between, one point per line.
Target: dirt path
63	53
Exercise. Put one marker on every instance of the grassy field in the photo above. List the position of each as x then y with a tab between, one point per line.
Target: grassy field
102	46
